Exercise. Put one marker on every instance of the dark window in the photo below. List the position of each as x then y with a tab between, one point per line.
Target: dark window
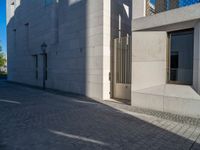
174	60
48	2
14	39
27	36
46	65
174	66
36	66
181	57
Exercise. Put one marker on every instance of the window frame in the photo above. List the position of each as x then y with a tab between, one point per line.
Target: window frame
169	36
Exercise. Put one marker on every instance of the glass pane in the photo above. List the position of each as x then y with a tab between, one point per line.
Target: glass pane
181	57
157	6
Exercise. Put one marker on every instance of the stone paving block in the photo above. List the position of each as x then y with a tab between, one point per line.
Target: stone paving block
32	119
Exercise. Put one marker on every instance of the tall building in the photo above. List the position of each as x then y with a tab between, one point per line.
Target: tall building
77	35
90	47
166	58
163	5
173	4
160	6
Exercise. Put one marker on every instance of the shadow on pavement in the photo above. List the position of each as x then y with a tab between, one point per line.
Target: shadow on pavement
37	120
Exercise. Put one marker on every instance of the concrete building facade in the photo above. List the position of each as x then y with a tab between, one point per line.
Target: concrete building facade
78	36
165	58
147	52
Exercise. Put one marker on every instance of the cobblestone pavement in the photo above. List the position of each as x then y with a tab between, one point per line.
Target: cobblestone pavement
31	119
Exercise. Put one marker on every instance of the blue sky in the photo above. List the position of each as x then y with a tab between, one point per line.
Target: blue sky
3	24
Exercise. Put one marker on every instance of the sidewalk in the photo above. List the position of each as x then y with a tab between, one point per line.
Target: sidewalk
33	119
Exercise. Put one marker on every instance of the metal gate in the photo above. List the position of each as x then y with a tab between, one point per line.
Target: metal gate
122	68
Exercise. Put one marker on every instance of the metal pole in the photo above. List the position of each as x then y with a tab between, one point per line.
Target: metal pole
120	26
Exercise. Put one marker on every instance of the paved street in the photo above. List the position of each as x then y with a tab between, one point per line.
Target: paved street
31	119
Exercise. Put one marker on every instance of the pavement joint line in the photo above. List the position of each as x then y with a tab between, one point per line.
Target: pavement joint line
166	125
194	142
190	135
179	129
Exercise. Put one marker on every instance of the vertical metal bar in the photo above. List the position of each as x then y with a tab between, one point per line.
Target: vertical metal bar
117	60
115	63
120	26
130	57
121	58
124	61
128	67
125	43
127	59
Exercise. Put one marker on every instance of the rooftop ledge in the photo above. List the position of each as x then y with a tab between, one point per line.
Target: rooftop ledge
190	15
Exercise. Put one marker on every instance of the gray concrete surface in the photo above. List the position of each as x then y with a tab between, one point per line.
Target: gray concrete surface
78	35
32	119
150	88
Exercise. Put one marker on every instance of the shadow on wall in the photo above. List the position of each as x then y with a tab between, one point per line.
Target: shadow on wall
71	123
72	30
63	27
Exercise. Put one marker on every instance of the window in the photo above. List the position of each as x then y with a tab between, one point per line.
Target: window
27	36
174	65
48	2
157	6
35	57
181	57
46	66
14	39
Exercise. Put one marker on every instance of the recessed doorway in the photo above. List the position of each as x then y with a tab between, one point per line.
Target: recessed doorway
122	69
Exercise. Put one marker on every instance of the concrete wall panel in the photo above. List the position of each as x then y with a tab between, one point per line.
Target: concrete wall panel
78	36
148	59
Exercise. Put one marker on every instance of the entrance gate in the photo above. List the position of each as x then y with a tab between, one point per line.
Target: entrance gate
122	68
